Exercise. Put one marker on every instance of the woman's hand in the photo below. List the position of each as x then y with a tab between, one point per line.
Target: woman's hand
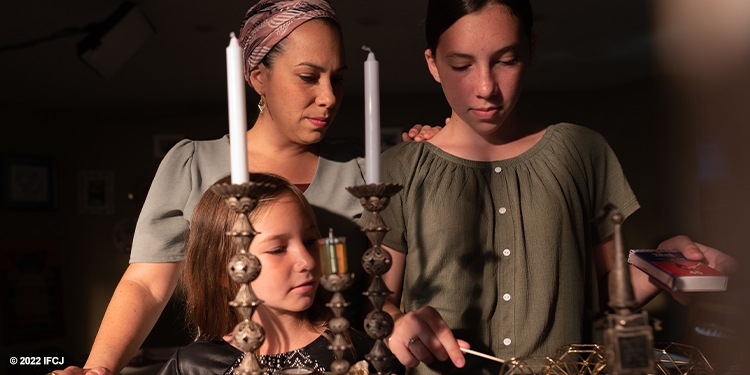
419	132
73	370
422	336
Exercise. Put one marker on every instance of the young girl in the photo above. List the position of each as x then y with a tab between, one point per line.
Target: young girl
492	235
293	315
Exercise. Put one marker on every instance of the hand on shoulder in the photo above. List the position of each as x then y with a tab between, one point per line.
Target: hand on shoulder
419	132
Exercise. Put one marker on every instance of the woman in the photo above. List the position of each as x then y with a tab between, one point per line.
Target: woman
503	254
295	62
293	315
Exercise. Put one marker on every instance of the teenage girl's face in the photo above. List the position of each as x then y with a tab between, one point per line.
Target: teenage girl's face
304	87
287	248
480	62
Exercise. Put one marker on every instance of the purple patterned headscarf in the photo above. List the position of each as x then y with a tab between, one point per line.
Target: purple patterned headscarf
269	21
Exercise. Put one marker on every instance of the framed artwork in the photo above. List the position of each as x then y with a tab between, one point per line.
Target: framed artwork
96	192
29	182
164	142
31	291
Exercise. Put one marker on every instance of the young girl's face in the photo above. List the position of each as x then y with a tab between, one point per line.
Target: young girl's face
480	62
287	249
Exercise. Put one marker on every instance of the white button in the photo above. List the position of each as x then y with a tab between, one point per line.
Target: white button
506	297
502	210
498	169
506	252
506	341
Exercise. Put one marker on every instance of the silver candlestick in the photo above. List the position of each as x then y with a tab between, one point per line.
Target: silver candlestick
336	278
377	261
243	268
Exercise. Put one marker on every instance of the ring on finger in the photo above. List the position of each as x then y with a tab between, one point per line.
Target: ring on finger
412	341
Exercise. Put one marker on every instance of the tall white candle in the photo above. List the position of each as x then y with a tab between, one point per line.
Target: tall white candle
237	114
372	119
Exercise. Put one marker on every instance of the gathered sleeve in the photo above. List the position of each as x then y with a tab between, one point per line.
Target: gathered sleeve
186	172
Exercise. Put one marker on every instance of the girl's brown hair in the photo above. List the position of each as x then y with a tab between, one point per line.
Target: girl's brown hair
205	282
442	14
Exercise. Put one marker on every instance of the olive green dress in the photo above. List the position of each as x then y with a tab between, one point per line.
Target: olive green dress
504	249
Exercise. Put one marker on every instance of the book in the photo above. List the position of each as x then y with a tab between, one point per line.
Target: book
676	272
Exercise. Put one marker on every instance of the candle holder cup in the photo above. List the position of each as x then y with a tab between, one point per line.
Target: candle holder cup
376	261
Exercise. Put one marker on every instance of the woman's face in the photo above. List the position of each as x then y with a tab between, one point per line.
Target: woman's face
480	62
304	87
287	248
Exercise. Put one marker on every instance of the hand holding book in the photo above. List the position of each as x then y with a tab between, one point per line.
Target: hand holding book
697	252
676	272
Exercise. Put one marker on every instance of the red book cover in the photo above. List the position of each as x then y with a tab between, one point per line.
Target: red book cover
676	272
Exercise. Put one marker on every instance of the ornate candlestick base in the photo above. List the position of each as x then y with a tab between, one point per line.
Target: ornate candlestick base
339	325
377	261
628	337
243	268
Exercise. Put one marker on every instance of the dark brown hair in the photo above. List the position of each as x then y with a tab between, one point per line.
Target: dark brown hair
441	14
205	281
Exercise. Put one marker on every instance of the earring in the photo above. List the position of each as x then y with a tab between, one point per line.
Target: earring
261	105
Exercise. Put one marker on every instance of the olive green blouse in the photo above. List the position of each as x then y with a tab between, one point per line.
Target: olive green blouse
503	249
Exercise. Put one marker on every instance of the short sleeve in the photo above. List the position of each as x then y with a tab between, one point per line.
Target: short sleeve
162	227
610	187
186	172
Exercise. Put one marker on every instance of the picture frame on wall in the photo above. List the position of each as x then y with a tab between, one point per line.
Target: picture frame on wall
28	183
96	192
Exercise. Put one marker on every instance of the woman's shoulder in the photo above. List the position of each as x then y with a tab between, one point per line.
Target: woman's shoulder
214	149
346	154
339	162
